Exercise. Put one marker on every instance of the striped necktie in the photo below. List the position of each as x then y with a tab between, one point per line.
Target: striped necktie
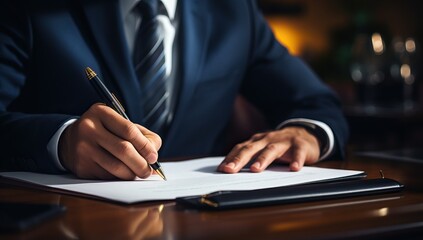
149	62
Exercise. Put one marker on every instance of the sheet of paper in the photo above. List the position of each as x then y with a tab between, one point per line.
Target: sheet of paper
185	178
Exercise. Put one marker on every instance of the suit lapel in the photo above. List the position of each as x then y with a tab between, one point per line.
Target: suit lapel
194	25
105	22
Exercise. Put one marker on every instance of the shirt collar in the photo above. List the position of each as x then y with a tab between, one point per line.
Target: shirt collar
128	5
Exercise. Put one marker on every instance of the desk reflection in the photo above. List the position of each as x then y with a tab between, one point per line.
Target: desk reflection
112	221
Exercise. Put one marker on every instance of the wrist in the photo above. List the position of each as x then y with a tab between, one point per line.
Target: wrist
63	148
314	130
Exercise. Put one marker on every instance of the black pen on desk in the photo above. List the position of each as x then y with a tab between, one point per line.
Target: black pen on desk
110	100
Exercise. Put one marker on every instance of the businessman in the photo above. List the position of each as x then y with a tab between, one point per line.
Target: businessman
177	68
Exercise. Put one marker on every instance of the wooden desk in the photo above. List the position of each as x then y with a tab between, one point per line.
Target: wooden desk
388	216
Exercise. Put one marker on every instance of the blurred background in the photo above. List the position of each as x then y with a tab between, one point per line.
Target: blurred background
369	52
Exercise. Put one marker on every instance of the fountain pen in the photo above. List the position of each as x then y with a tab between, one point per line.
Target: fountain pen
110	100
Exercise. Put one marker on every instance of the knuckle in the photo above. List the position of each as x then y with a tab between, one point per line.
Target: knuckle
257	136
144	145
124	147
238	146
248	147
270	134
272	147
131	132
86	126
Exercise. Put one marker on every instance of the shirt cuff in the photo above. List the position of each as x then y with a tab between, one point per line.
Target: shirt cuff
329	140
53	144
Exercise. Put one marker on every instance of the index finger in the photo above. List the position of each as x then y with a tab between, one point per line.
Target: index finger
240	156
127	130
153	137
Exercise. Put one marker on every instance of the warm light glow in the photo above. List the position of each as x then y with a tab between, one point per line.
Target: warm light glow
287	35
382	212
405	71
300	39
410	45
377	42
406	74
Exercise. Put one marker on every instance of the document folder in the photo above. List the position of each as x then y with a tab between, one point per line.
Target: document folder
291	194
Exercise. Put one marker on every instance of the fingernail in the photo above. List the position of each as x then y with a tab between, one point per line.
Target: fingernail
295	166
256	165
230	165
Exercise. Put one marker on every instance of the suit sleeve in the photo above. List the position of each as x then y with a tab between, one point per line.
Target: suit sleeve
23	134
284	87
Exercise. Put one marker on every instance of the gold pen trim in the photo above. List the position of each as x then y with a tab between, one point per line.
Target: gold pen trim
90	73
204	200
159	171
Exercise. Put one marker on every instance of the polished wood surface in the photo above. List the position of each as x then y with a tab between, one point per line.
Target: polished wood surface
384	216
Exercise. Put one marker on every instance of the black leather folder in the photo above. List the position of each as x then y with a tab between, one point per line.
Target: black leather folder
291	194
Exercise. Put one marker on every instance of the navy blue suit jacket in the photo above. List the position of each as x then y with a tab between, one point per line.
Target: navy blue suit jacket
226	48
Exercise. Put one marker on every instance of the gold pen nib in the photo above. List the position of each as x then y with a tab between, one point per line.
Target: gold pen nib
90	73
159	171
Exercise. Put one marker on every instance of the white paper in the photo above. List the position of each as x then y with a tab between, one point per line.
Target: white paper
184	178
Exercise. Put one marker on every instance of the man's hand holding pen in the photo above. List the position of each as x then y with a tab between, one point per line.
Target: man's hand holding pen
104	145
